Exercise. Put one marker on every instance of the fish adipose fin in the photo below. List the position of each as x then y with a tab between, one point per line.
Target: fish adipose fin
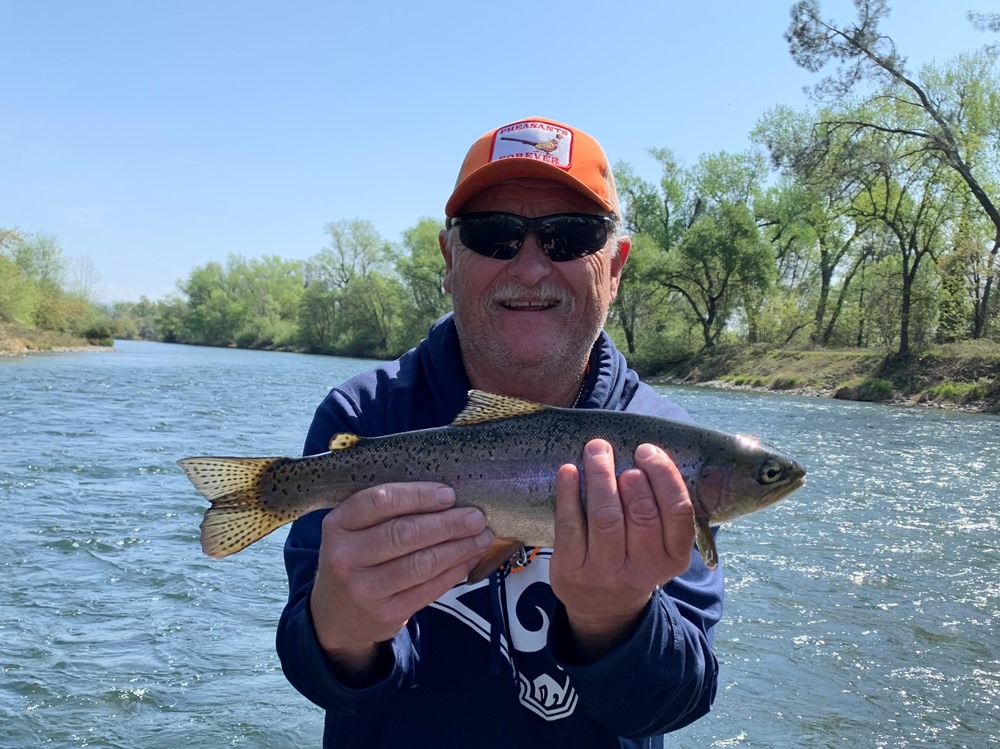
237	516
484	407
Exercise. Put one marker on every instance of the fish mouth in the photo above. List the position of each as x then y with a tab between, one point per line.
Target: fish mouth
781	491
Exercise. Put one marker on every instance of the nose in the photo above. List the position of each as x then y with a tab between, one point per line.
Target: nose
530	265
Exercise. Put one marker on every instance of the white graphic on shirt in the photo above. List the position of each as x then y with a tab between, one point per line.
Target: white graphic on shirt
546	697
549	695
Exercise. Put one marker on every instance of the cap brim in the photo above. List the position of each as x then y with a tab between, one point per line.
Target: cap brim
497	171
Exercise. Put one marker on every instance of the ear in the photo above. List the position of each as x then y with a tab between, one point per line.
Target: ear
446	253
618	263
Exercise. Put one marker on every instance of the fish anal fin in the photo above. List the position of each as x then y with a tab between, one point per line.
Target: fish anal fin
343	440
495	555
483	407
238	515
706	542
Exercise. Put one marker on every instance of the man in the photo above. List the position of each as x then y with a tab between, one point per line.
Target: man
605	641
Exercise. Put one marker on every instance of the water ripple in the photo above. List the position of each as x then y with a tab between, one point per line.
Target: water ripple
860	611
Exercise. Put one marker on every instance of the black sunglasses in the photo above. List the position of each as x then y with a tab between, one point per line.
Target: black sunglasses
562	236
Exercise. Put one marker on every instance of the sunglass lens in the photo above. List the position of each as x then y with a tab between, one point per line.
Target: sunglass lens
569	237
563	237
498	236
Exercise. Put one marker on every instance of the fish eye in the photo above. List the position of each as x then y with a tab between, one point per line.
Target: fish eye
770	471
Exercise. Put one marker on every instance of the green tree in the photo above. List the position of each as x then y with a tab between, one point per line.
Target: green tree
712	260
272	287
371	309
421	269
718	260
318	313
640	304
18	295
339	311
952	115
41	259
355	250
808	216
216	313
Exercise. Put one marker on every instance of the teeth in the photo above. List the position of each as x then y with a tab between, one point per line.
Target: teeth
529	305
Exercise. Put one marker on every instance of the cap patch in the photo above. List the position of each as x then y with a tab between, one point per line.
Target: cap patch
540	141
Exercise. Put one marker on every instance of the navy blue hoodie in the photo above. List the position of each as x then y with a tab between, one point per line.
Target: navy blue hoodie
487	665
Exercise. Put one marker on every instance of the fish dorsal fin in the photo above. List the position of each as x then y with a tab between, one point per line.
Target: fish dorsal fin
343	441
492	407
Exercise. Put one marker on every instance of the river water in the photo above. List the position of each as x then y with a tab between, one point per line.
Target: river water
862	611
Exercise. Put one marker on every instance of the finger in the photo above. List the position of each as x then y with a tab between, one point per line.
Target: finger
423	594
605	515
415	570
644	544
376	504
671	493
571	523
401	536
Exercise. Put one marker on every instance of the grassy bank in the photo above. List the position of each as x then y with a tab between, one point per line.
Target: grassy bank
17	339
963	375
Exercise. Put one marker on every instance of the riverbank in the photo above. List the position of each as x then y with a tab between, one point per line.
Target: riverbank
17	340
962	376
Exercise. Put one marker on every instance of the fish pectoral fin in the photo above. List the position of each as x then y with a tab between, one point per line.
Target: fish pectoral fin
706	542
484	407
342	441
495	555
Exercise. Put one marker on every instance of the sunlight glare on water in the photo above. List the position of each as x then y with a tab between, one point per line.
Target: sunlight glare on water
861	610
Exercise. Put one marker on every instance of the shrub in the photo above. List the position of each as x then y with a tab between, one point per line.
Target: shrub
870	389
785	383
957	392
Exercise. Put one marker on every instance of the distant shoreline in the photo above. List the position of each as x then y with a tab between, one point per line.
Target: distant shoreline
922	380
20	340
961	376
56	350
982	407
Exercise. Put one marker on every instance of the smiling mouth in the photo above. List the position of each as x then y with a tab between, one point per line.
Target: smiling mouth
528	306
516	298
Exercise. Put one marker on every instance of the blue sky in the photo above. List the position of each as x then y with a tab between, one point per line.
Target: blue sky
151	138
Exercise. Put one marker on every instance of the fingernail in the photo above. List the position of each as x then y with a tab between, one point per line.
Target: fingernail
474	519
484	539
445	496
644	451
596	448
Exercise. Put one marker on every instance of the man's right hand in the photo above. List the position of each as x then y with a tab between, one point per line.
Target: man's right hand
387	552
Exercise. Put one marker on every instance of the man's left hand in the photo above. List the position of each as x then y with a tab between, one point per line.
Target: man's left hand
636	534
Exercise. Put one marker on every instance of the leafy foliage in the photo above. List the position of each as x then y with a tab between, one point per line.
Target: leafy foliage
874	223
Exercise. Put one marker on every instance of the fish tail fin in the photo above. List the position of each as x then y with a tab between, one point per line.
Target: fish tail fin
238	516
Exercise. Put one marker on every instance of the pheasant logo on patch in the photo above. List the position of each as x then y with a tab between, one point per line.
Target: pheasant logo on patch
540	141
547	146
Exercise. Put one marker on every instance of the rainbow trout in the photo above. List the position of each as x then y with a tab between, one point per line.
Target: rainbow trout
501	455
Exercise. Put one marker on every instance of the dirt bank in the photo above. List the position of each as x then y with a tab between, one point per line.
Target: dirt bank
963	376
16	340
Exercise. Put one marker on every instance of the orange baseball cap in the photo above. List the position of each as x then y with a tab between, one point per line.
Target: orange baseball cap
536	147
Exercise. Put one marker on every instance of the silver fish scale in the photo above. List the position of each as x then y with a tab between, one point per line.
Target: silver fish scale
501	455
